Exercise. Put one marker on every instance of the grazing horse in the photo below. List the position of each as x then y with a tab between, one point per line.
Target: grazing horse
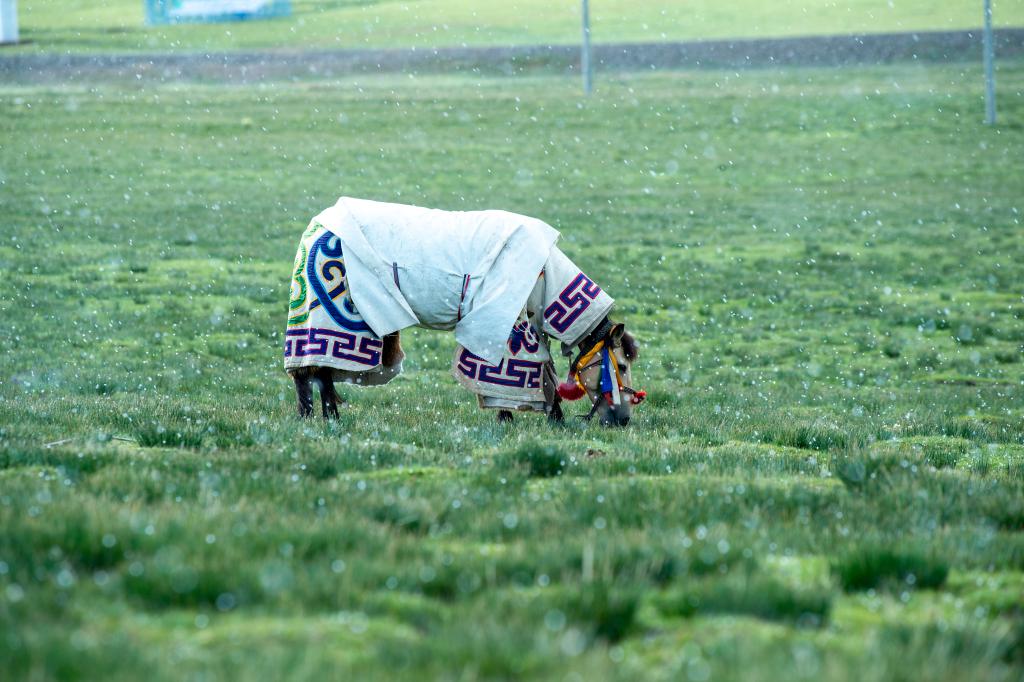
366	270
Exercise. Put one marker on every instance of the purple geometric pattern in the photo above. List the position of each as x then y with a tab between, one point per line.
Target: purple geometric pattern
571	303
301	343
509	372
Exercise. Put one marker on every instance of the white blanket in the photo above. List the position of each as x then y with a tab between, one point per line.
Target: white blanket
467	270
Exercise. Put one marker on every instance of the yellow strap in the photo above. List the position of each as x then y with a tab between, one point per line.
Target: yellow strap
585	360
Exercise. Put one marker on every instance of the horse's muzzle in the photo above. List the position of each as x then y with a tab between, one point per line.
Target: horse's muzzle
614	418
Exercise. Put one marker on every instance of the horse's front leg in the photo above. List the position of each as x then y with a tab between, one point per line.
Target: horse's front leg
328	395
303	391
505	417
556	415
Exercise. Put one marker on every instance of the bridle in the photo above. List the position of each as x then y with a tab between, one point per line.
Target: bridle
596	350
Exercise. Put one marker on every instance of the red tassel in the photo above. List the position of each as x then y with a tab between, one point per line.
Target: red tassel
638	397
570	390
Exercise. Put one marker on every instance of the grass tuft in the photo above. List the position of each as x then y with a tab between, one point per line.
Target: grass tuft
608	612
759	596
158	436
871	567
539	460
823	437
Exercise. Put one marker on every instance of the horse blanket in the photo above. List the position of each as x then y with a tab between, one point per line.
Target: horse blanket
365	269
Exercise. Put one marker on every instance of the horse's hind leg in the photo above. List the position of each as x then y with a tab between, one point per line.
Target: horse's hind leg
551	397
328	395
392	353
505	417
303	391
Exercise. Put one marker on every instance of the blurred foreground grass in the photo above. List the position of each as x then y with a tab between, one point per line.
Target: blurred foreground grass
118	25
827	482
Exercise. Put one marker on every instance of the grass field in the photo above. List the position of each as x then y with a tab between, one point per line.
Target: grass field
824	268
118	25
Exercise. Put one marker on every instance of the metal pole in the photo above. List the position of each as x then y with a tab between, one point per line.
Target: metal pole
588	79
988	46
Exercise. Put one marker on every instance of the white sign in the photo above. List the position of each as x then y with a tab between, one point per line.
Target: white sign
8	21
204	11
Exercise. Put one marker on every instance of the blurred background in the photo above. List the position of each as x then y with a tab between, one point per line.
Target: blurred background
120	25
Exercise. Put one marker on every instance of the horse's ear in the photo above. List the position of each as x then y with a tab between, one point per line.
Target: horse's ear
625	340
629	347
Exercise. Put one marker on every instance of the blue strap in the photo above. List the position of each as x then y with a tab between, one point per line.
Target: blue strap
607	373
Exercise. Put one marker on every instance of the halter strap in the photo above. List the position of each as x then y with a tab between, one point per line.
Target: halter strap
465	288
590	341
593	410
584	359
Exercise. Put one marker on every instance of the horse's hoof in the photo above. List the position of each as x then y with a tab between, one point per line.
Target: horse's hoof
505	417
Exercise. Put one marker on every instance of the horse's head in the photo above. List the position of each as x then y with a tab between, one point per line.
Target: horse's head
604	374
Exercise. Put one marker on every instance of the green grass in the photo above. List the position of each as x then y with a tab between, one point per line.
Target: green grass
118	25
823	267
